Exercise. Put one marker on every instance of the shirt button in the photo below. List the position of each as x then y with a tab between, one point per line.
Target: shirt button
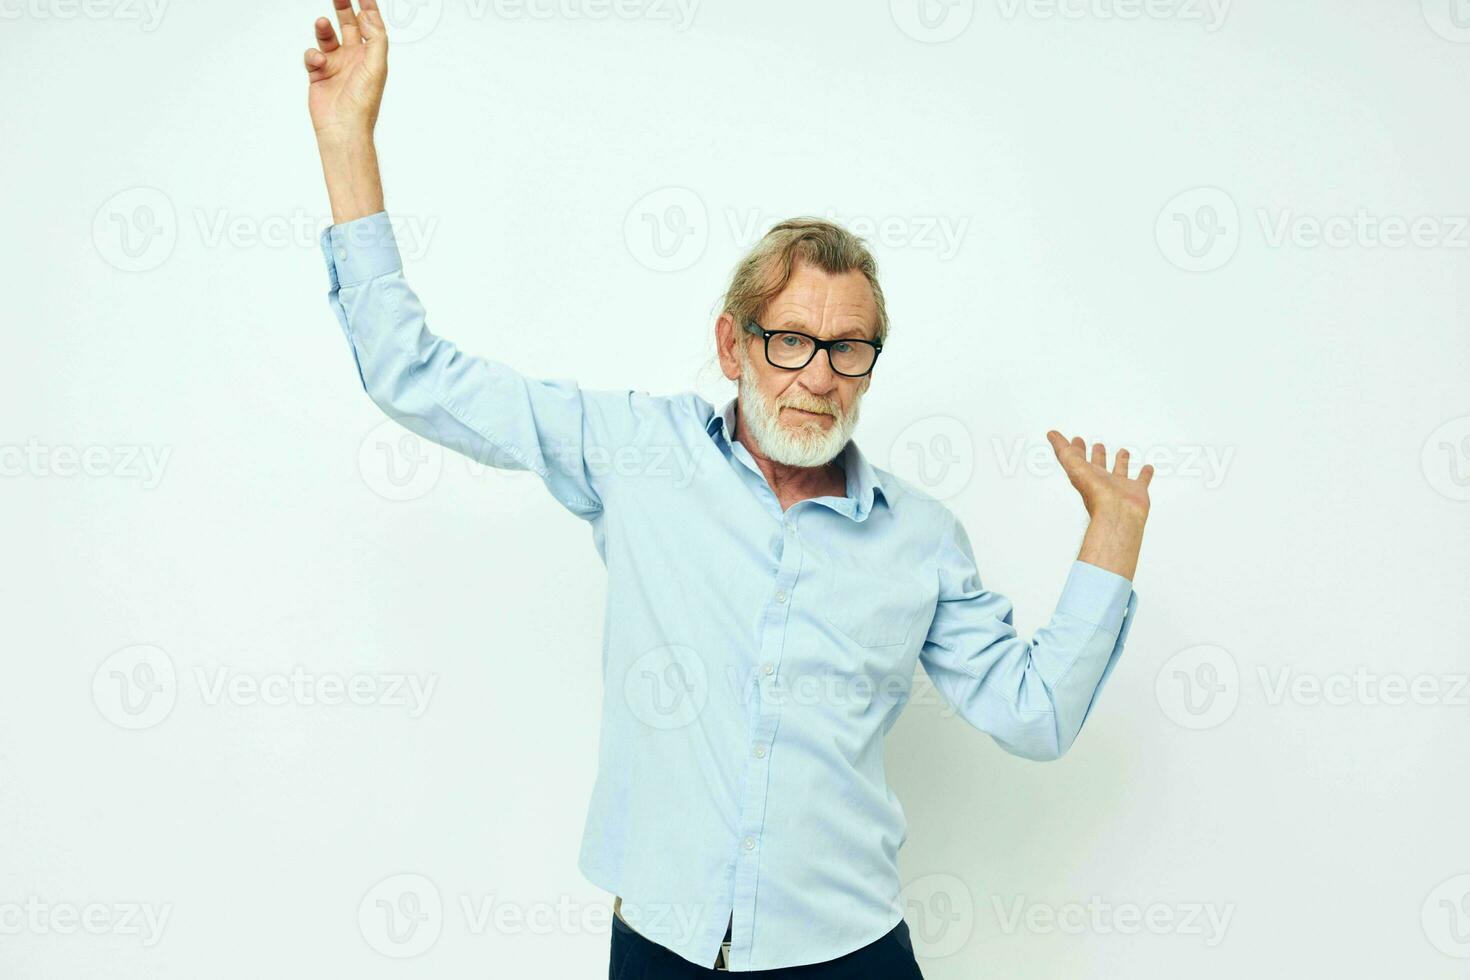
780	597
341	255
760	751
750	843
768	669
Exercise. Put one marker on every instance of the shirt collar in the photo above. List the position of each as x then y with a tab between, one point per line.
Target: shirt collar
864	487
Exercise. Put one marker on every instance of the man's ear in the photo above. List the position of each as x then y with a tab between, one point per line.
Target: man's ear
726	337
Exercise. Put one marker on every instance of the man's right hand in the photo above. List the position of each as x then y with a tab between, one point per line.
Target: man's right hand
347	76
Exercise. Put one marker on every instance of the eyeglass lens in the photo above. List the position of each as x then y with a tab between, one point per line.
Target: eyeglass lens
792	350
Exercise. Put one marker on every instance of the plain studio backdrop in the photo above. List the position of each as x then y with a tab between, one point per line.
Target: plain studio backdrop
288	693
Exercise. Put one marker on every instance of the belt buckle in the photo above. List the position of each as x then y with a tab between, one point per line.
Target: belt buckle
723	962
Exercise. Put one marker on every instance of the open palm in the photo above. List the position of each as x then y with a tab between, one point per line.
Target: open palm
1102	489
347	75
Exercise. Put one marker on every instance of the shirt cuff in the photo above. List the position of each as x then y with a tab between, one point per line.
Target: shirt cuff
1097	596
359	250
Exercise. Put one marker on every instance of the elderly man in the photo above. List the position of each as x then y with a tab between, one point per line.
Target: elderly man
769	590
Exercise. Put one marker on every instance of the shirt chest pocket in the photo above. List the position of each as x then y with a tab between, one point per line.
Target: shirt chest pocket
873	608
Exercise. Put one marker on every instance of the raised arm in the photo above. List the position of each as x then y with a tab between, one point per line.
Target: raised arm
346	77
480	407
1033	696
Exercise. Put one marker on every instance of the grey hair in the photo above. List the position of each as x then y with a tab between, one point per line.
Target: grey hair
766	268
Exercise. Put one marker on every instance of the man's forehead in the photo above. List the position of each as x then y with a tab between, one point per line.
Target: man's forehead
813	296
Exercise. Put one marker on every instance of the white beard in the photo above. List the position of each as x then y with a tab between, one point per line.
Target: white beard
806	445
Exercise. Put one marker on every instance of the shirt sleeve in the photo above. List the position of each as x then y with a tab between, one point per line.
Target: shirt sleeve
476	406
1031	697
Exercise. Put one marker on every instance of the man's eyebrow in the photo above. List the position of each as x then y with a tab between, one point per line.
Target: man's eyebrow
795	321
858	331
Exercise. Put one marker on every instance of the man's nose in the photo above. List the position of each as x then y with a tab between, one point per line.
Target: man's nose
818	376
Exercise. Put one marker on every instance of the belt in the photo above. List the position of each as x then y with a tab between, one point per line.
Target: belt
722	961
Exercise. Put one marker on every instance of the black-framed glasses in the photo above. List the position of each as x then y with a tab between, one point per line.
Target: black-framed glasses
794	350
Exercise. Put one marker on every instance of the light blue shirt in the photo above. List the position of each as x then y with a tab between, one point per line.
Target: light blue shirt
752	658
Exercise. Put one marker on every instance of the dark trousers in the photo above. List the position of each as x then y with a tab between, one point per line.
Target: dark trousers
890	957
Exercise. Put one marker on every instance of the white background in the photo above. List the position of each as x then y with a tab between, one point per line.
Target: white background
1097	218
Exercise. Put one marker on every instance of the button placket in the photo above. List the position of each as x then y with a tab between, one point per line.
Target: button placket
762	740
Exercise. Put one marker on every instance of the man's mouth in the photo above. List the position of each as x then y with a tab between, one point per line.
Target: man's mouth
810	415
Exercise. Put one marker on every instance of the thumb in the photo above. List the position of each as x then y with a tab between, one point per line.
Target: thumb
1060	445
1073	460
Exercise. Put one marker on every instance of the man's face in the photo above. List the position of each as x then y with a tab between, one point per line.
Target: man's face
804	417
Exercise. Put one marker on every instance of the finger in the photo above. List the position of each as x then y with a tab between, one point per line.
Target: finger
1120	464
1059	443
371	21
1099	455
1146	474
348	19
326	36
1074	464
316	64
